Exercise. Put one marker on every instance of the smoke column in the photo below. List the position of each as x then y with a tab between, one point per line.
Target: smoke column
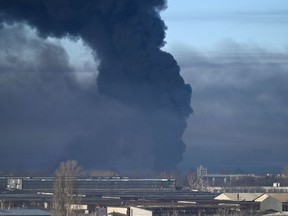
127	36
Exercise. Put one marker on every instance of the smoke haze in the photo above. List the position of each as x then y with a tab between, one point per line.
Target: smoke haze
240	108
132	117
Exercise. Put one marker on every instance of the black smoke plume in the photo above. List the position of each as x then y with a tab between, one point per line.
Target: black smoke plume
126	36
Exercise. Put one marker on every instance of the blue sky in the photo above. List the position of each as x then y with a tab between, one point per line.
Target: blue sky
205	24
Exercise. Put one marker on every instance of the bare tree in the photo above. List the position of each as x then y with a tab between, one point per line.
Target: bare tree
64	195
4	204
192	181
224	212
195	182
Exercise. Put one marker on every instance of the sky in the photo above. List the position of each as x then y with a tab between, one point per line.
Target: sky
203	25
233	54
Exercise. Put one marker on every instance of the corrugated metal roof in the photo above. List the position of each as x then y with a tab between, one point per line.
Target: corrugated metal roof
282	197
261	198
238	196
277	213
25	212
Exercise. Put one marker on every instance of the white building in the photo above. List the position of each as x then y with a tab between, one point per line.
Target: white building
131	211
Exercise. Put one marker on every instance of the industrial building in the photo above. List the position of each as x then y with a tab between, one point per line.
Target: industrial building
125	195
23	212
275	202
91	184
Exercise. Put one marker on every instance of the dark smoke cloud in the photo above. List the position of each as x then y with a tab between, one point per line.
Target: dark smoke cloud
140	115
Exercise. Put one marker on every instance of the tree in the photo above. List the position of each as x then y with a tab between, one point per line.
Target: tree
195	182
192	181
4	204
64	195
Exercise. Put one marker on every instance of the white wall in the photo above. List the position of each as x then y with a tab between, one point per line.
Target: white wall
139	212
110	210
271	204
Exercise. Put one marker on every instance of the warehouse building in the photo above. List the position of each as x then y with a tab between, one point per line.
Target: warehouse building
91	184
274	202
